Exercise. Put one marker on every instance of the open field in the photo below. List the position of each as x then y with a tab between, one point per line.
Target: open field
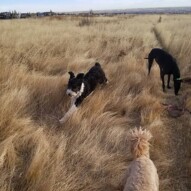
90	152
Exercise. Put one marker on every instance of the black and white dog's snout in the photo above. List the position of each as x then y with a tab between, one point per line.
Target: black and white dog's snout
78	92
71	93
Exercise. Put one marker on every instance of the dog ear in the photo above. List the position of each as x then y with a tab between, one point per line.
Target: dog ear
80	76
71	74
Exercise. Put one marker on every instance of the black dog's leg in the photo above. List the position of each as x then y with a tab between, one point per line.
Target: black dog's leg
168	85
163	84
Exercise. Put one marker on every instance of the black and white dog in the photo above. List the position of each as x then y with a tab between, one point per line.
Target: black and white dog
81	86
167	65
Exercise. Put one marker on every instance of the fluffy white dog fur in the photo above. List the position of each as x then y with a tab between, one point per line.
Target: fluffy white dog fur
142	173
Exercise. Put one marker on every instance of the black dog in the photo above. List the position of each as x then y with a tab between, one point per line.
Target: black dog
167	65
81	86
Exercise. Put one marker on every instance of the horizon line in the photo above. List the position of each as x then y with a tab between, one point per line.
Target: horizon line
99	10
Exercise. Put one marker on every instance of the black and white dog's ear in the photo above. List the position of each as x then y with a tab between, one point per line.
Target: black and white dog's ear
80	76
71	74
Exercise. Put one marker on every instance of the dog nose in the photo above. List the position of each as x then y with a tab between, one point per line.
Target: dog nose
68	93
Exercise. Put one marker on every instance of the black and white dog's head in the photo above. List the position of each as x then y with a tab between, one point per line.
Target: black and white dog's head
75	85
85	83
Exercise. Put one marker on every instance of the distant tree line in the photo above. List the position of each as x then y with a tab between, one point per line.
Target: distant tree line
86	14
16	15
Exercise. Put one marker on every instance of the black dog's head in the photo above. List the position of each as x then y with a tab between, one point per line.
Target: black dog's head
177	85
75	84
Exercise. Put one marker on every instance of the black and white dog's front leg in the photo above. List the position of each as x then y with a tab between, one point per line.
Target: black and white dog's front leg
72	109
74	106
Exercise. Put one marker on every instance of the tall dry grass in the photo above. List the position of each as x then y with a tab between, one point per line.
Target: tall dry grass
90	151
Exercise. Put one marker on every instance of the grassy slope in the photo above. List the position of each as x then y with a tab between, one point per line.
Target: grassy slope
90	151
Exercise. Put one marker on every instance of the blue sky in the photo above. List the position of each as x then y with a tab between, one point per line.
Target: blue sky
80	5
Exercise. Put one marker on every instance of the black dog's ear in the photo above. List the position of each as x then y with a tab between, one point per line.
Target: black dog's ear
80	76
71	74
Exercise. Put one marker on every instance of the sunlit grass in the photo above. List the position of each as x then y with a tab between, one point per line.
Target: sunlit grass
90	151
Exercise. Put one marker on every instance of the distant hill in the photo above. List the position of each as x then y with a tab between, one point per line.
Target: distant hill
165	10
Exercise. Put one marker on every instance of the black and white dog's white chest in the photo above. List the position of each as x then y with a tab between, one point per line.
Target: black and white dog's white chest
82	85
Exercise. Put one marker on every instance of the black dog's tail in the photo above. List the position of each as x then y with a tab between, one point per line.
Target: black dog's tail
103	79
150	61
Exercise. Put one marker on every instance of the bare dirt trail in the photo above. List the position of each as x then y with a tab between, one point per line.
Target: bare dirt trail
179	141
179	130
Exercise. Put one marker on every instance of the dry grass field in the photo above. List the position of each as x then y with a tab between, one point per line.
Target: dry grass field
90	151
